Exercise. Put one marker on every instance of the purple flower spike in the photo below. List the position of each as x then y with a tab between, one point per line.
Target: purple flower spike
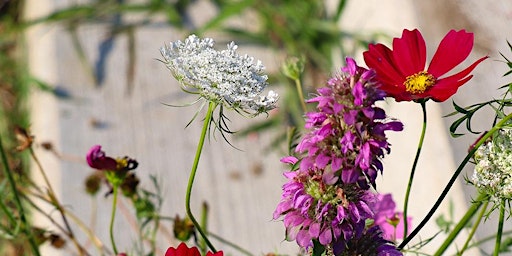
96	159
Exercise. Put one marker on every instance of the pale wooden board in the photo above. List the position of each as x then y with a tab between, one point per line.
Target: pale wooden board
142	127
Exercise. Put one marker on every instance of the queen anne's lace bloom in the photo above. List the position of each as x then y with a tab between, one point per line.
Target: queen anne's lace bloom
493	170
223	77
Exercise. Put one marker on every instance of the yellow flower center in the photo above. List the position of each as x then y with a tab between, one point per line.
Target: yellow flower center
419	82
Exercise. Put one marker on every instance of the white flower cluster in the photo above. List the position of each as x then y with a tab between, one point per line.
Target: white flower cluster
493	170
223	76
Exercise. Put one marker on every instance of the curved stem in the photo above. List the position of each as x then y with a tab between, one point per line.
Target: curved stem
462	223
56	203
452	180
475	227
298	87
112	217
415	163
206	124
497	245
17	201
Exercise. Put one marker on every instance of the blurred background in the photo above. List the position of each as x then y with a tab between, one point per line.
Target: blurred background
79	73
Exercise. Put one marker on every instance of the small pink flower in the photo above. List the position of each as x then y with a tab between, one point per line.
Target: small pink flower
97	159
390	221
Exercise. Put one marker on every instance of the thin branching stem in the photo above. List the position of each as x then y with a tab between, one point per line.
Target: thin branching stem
462	223
453	179
17	201
475	227
55	202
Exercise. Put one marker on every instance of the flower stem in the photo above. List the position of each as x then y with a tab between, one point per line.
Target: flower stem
453	179
497	246
475	226
206	124
17	201
415	163
112	217
298	86
462	223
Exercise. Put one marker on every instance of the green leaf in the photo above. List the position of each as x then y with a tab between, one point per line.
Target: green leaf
318	249
228	10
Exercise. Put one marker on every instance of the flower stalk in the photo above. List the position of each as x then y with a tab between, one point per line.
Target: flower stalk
497	246
206	124
112	217
415	163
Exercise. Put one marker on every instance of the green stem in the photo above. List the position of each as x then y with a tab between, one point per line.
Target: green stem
497	246
452	180
298	86
206	124
17	201
415	163
112	217
204	224
462	223
475	227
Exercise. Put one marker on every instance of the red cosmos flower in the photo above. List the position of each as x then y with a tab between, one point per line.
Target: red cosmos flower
183	250
402	70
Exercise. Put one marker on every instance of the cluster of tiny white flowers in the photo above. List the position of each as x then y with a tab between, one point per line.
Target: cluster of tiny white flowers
223	76
493	170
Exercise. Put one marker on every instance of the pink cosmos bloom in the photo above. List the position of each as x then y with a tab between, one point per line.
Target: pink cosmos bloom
402	70
183	250
97	159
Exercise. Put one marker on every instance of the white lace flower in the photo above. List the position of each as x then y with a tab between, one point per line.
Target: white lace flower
223	77
493	169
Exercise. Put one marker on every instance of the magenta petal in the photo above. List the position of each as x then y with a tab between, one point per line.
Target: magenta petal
303	238
289	160
314	229
96	159
325	237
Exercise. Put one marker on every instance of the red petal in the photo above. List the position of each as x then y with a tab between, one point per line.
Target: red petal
219	253
410	52
453	49
445	88
182	250
379	58
450	84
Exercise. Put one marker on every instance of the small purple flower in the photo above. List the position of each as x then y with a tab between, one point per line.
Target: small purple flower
97	159
326	198
317	206
347	130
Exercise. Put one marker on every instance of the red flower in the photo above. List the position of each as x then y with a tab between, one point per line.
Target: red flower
183	250
402	70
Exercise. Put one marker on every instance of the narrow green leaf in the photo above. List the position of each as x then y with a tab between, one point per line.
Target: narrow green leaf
227	11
